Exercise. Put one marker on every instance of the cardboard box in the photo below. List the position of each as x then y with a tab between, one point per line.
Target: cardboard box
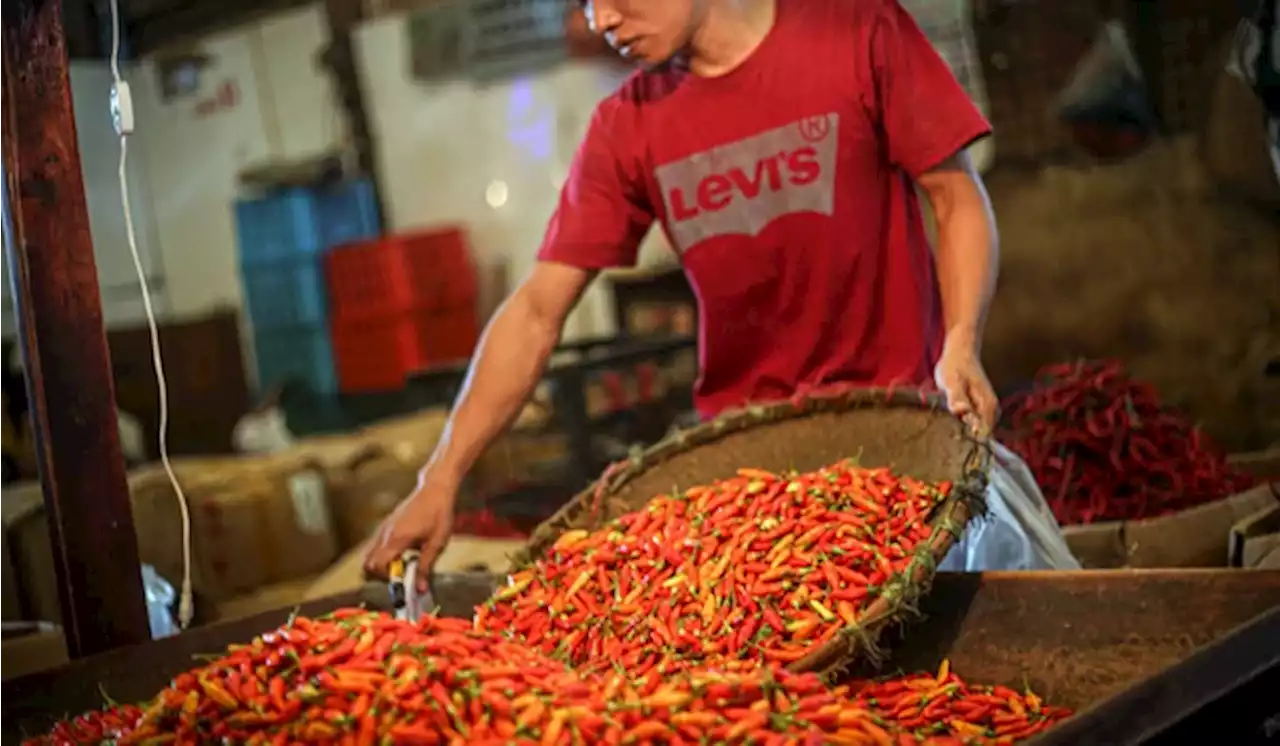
26	538
12	603
31	648
1193	537
365	491
1255	539
1233	138
518	458
344	576
278	596
462	554
1270	560
1098	546
255	520
1265	465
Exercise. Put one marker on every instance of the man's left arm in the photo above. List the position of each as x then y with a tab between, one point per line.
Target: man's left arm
968	260
927	122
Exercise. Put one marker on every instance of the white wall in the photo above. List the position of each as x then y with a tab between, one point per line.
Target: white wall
99	165
283	109
445	148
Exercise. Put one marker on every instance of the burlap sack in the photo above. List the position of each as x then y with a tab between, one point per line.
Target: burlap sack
409	438
518	456
334	452
255	521
365	490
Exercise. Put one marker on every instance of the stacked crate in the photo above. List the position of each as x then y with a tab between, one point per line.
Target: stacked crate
283	237
400	304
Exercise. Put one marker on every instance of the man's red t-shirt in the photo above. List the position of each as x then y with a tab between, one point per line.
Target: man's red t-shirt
786	188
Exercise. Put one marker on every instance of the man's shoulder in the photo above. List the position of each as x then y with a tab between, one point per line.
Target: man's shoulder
841	15
644	89
627	112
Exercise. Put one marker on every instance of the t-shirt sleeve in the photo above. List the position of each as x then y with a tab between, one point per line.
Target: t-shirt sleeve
603	212
926	115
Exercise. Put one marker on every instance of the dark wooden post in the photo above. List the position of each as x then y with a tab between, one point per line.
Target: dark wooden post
55	282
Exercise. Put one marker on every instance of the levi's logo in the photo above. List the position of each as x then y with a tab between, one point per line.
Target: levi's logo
739	188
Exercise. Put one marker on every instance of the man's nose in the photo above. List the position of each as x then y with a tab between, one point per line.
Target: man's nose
602	16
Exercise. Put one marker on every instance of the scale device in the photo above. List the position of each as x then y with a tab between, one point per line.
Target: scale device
406	602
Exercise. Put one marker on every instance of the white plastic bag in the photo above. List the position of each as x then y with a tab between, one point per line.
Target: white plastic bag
1106	104
159	598
1019	531
1107	87
263	431
132	440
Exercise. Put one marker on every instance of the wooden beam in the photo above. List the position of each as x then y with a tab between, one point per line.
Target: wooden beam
83	29
69	385
192	20
340	59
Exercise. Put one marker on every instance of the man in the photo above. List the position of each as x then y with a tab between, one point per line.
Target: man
779	143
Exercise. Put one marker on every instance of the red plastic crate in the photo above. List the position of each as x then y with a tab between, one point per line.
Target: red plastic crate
377	354
394	274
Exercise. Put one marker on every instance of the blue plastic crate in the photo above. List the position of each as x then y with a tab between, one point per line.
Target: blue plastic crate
346	212
300	355
292	222
288	293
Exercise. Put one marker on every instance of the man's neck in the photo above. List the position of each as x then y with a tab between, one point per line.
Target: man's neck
728	34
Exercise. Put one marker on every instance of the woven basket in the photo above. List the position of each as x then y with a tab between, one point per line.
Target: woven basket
905	430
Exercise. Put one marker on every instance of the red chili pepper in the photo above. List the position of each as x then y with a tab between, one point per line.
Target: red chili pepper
1103	446
703	656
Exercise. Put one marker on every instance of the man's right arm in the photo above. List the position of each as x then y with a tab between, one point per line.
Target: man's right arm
511	358
602	215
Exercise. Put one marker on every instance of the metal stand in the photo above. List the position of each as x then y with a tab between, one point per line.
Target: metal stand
55	280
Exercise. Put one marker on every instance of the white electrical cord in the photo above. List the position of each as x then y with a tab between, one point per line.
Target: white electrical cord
122	116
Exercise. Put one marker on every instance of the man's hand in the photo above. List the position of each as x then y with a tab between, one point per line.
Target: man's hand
969	394
423	522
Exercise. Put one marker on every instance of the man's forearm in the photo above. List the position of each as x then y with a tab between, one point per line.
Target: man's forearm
510	360
967	257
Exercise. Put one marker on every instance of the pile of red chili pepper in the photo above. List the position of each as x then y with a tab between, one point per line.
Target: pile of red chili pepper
927	705
1103	447
487	524
760	568
670	625
358	677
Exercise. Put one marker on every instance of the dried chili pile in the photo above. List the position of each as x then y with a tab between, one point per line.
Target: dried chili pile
359	677
757	569
1103	447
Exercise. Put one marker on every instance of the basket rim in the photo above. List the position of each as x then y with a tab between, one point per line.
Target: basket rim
965	502
621	473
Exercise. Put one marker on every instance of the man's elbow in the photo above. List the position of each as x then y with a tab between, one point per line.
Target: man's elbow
543	301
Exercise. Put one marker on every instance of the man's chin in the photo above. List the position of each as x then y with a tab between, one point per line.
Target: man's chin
672	61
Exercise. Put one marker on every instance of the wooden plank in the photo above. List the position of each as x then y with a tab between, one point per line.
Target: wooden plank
187	22
64	345
1227	688
342	17
1077	638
